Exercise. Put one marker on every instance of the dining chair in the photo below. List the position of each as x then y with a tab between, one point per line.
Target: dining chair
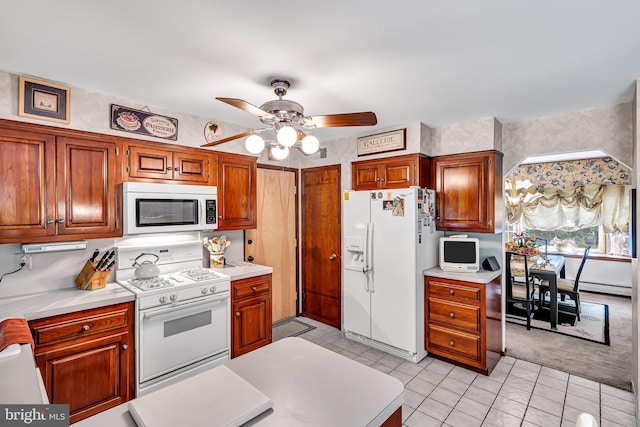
567	288
520	285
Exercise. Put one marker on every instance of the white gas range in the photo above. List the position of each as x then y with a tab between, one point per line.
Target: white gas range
182	315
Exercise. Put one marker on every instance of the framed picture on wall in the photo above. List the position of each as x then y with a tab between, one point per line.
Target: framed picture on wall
39	99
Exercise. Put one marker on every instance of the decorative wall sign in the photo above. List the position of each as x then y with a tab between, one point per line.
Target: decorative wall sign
212	132
143	122
382	142
43	100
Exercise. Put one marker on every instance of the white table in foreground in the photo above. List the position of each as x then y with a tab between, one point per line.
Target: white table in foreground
309	386
312	386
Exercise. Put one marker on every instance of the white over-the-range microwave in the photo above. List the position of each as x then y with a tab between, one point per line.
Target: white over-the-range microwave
167	208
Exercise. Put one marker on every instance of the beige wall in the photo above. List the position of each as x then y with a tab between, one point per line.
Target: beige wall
607	128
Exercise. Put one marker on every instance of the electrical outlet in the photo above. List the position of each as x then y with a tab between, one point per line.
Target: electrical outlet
20	258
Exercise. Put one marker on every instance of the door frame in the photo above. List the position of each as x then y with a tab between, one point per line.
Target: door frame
297	227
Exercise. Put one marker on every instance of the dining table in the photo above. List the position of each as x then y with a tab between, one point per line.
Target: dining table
549	268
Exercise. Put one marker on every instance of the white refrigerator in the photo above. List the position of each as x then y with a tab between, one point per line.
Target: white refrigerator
389	238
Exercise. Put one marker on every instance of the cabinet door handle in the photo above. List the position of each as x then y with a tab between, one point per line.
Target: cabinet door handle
49	221
86	327
237	314
124	346
452	315
176	169
168	168
452	292
452	343
60	221
333	256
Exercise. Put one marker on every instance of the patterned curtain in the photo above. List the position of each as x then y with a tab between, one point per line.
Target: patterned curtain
570	195
571	208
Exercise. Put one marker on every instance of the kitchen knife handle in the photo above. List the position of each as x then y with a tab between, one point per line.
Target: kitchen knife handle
95	254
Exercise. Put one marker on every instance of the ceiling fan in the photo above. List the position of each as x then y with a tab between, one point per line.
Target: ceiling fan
284	117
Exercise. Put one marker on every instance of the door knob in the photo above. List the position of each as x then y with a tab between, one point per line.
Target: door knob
124	346
249	242
250	258
333	256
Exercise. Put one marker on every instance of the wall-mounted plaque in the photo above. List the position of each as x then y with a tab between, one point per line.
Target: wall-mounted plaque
143	122
382	142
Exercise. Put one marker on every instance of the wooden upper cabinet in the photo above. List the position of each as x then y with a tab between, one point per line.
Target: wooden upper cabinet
468	189
391	172
237	196
56	187
153	162
28	185
86	171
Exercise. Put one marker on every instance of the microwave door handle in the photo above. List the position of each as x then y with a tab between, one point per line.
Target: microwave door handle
202	208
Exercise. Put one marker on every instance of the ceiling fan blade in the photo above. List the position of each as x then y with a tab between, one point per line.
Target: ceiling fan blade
231	138
246	106
367	118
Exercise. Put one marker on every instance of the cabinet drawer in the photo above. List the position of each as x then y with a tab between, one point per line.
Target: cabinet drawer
454	314
250	287
454	291
63	328
453	344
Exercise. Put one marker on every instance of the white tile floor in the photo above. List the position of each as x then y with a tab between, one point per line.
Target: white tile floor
517	393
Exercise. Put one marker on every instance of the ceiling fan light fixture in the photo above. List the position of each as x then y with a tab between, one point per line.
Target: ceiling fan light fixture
310	144
254	144
279	153
287	136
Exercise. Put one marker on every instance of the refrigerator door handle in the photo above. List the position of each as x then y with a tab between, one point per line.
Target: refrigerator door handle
369	257
365	267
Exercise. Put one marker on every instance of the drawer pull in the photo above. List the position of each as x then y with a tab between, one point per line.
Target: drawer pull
452	315
86	327
253	288
452	343
452	292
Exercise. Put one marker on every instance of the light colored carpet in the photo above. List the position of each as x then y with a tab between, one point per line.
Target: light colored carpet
593	324
607	364
289	328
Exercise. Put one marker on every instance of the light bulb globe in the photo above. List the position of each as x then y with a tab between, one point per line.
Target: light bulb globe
279	153
287	136
310	144
254	144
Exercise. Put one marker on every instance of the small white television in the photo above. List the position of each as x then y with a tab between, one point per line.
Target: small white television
459	253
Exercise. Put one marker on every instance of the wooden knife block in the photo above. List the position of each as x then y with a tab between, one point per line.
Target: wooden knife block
90	279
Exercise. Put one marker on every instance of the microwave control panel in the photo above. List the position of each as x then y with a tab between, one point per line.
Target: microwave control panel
211	211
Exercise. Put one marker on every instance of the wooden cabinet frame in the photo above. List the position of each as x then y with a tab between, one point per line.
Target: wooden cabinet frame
251	326
87	358
391	172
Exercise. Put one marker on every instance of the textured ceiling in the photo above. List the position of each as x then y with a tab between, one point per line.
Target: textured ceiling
437	62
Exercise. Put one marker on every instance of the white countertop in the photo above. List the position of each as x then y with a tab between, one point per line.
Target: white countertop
19	378
482	276
62	301
309	385
241	270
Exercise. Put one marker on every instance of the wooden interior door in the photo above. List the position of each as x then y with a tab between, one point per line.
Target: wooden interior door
273	242
321	257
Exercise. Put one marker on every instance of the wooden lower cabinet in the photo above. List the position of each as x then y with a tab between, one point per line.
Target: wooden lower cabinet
251	314
463	321
87	358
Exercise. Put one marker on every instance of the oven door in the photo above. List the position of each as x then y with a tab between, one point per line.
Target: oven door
174	337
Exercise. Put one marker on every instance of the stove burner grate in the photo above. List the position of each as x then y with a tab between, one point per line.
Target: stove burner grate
152	283
199	273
